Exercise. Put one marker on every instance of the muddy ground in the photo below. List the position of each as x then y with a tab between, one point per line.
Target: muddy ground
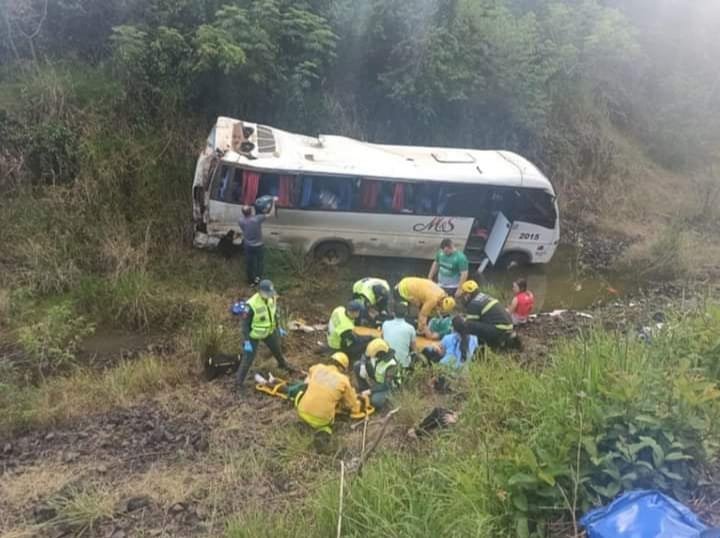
169	466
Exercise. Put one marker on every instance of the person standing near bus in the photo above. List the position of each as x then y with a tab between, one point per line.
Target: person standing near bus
425	295
522	304
450	267
253	247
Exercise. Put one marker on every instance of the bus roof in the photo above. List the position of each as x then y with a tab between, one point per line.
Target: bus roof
282	151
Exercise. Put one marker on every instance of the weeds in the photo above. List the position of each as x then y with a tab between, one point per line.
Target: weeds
82	510
608	414
53	341
62	398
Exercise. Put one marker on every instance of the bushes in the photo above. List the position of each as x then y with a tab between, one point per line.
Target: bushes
53	341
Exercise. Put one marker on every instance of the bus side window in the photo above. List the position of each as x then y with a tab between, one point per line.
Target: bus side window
536	207
220	183
464	201
333	193
234	192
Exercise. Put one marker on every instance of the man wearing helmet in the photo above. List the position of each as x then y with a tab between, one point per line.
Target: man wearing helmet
340	330
486	318
427	296
374	293
325	390
378	372
260	325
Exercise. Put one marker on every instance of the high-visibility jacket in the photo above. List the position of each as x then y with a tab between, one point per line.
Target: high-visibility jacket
381	368
365	288
264	321
327	390
340	323
484	308
421	292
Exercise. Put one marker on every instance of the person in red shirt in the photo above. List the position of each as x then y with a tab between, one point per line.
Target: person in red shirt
522	304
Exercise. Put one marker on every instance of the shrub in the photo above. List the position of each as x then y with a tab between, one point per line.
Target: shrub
53	341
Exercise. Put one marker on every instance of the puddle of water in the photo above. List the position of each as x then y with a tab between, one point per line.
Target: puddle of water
107	343
556	285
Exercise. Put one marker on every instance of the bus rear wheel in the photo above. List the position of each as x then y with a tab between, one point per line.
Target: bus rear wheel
332	253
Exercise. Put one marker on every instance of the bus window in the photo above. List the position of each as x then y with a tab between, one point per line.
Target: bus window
220	183
327	192
536	207
464	201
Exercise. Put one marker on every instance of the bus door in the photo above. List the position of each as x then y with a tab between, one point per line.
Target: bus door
496	240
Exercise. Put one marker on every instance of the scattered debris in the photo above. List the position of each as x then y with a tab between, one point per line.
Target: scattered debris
136	503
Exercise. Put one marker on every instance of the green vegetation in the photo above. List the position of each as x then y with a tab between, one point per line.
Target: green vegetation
104	106
534	449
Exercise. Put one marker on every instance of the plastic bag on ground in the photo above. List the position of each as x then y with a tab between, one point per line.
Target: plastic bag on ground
642	514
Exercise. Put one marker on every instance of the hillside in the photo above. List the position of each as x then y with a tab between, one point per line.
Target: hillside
106	311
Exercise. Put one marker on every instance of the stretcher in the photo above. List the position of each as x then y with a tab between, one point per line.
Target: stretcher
366	409
422	342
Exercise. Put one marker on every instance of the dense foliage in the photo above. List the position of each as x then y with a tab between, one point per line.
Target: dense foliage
547	77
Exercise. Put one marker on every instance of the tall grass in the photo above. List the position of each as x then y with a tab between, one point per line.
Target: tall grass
609	413
62	398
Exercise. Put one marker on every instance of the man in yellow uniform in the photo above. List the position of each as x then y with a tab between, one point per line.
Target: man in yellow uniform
427	296
325	391
328	389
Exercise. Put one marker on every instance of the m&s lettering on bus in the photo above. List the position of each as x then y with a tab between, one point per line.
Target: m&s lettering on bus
436	225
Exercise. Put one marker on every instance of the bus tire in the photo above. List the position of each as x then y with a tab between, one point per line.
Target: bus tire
332	253
512	259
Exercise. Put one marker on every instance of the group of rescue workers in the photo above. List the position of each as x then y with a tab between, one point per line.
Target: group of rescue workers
372	338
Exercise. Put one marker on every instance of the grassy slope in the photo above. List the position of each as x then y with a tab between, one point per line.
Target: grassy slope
508	465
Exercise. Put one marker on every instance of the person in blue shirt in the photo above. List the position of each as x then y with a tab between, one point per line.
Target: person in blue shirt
456	348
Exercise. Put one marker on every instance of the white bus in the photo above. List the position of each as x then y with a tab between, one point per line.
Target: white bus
340	197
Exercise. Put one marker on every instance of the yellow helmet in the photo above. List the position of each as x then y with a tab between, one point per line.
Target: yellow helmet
448	304
341	359
470	286
377	346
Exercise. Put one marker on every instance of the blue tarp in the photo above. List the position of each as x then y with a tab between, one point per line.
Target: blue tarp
642	514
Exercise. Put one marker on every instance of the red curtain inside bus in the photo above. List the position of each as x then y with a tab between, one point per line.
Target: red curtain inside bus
251	182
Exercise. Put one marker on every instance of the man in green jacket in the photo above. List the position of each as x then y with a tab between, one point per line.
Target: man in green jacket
261	325
374	293
340	330
378	372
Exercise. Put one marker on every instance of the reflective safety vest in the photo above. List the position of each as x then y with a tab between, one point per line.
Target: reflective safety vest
480	305
263	320
365	287
381	368
340	322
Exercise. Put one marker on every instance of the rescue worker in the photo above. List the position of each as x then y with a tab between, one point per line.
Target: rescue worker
427	296
374	293
261	325
378	372
325	390
340	330
485	317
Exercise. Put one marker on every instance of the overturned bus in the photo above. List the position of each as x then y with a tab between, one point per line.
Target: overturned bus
339	197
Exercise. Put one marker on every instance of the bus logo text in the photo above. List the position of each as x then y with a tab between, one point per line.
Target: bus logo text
436	225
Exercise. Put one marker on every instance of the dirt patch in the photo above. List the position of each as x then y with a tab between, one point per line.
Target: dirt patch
598	250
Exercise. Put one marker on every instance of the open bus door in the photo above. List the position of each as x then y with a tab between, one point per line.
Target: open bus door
496	241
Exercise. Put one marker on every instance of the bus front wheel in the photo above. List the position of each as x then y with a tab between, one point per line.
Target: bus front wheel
332	253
